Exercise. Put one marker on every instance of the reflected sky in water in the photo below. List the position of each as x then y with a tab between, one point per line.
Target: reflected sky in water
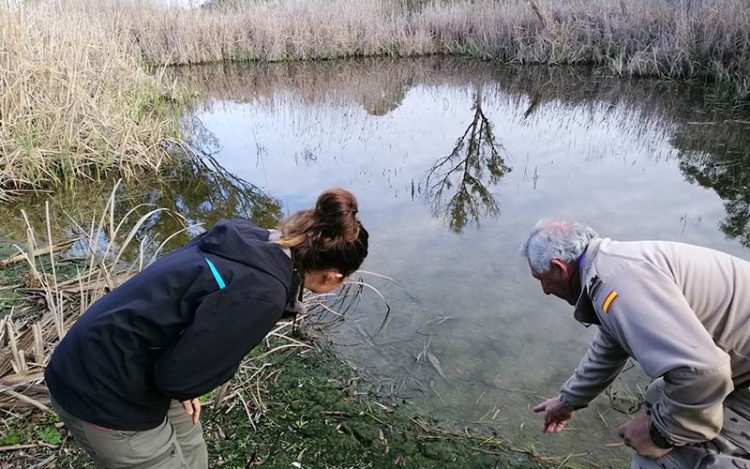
505	147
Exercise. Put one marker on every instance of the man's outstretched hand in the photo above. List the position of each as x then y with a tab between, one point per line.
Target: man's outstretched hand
556	415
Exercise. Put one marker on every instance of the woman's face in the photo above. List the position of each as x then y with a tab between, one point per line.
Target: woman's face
323	281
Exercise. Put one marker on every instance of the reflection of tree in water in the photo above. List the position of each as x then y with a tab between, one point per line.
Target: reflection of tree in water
213	192
711	135
386	97
717	156
380	86
457	184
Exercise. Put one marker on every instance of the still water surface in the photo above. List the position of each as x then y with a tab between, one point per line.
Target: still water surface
453	161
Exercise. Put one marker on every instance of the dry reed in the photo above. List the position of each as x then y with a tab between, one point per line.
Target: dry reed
663	38
73	102
49	303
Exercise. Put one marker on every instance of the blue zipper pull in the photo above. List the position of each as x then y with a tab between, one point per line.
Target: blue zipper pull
219	280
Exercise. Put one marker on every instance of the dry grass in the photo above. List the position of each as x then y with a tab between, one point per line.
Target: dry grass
74	103
664	38
50	302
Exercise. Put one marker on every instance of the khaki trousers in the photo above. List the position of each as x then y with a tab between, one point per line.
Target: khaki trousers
175	444
731	449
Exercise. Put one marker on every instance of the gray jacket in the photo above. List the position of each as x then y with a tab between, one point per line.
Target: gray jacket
682	312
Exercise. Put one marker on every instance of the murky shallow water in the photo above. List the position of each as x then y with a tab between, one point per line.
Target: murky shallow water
453	161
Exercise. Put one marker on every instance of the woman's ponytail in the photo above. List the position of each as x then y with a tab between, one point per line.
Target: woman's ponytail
330	236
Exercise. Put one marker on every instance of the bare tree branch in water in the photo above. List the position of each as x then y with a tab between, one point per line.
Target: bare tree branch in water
213	192
457	185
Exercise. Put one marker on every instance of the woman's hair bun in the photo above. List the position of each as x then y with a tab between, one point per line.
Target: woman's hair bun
336	214
327	236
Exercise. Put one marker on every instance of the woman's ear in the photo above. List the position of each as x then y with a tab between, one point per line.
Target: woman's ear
333	277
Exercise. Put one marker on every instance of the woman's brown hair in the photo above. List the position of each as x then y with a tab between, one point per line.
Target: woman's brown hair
330	236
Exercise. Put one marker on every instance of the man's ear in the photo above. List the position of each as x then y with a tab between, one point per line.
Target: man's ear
559	265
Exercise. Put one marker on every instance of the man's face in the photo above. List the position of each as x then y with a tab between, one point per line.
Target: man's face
559	281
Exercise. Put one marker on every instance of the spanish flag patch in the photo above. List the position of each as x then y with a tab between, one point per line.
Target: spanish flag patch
611	297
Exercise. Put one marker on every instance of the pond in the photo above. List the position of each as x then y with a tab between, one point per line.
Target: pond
453	161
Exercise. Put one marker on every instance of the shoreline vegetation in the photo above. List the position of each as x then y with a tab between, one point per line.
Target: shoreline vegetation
74	103
83	94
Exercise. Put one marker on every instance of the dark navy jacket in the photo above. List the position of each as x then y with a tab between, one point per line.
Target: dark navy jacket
174	331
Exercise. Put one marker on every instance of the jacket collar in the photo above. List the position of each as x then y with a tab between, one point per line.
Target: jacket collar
584	310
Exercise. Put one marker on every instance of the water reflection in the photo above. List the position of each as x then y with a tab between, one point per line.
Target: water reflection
196	196
711	136
458	184
716	155
675	111
457	187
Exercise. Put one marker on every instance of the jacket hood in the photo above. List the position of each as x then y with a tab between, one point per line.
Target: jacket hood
242	241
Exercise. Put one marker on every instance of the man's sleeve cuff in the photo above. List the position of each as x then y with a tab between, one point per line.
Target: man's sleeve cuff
572	403
658	437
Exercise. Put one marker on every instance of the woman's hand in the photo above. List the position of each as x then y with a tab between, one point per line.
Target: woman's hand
193	407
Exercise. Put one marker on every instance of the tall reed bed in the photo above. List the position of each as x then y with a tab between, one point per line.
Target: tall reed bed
706	39
74	101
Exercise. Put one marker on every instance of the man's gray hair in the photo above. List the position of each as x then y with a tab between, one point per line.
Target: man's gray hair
556	239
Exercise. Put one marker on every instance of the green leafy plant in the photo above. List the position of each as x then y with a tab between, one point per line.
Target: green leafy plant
49	435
